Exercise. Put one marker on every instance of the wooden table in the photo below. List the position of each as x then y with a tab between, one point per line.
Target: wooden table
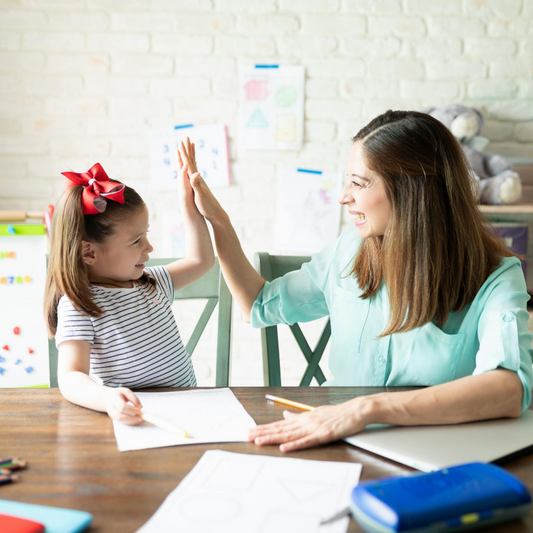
74	461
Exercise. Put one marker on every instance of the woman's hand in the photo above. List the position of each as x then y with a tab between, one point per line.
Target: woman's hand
206	203
322	425
118	405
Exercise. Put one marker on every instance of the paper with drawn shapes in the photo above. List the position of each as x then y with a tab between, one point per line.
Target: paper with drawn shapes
210	415
308	212
272	107
211	143
234	493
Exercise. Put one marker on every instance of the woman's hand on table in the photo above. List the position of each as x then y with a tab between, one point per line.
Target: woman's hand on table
313	428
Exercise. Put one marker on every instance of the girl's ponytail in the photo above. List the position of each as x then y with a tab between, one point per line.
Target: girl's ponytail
67	273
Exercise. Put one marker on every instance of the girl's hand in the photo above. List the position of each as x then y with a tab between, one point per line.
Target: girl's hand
188	155
185	192
322	425
118	408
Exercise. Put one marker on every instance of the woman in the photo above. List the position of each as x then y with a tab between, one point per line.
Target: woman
419	292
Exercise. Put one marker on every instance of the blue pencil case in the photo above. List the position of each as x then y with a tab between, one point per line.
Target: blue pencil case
454	499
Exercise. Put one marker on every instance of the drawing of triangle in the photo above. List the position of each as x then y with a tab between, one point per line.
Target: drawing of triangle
304	491
257	120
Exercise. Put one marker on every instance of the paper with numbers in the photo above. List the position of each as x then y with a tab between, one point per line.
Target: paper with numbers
308	211
272	107
211	143
23	337
237	493
209	415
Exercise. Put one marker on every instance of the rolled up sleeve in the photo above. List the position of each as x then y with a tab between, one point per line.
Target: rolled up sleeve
298	296
504	338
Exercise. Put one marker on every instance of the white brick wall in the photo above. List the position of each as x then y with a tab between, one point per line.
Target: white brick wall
83	81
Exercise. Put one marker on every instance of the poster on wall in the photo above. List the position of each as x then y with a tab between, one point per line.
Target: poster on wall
24	360
173	232
308	211
272	107
211	144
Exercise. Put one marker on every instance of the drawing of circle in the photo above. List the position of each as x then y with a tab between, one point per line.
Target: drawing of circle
286	96
206	508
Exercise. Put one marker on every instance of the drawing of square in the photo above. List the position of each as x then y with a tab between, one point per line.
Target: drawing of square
286	128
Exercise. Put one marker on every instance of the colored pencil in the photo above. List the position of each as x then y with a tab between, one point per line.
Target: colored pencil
8	479
299	405
14	465
163	424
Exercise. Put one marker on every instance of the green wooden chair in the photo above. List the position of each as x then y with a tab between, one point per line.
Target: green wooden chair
271	267
211	287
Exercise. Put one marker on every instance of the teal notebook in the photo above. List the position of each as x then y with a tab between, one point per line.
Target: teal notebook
55	519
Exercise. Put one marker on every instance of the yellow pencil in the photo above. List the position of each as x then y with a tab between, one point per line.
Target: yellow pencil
163	424
299	405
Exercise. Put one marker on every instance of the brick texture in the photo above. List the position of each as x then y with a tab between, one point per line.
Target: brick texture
84	81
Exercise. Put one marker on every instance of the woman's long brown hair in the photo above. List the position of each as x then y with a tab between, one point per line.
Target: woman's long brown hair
67	273
438	249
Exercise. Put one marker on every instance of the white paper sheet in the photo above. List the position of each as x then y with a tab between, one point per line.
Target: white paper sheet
212	415
211	143
232	492
308	211
272	107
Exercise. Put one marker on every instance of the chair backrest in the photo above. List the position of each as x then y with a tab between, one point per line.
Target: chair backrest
271	267
211	287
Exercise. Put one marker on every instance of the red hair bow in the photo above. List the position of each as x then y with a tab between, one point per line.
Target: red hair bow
97	189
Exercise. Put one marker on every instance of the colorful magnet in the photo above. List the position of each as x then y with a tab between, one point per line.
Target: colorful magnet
5	347
30	350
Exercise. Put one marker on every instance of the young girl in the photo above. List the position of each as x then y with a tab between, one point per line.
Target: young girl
110	315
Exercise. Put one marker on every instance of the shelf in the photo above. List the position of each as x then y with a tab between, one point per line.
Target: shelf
503	209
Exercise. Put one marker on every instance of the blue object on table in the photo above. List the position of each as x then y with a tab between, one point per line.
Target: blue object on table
55	519
456	498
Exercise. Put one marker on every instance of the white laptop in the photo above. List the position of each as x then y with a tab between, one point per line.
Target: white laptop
430	448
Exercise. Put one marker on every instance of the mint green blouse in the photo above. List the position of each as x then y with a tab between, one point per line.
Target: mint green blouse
490	333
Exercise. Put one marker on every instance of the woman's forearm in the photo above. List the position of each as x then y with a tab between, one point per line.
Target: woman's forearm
243	281
495	394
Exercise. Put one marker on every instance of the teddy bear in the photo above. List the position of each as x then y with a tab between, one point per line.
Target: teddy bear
497	182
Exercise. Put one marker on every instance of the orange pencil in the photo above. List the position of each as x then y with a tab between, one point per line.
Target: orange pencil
298	405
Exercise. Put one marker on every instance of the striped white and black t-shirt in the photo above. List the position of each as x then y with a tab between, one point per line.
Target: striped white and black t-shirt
136	342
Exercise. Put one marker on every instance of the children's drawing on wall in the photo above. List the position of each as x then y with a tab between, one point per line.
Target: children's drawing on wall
308	213
171	226
272	107
211	144
23	337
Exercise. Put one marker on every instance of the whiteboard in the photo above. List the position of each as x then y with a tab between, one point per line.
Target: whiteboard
24	359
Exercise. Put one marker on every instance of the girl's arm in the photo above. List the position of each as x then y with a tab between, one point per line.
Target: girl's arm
242	279
199	257
494	394
77	387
